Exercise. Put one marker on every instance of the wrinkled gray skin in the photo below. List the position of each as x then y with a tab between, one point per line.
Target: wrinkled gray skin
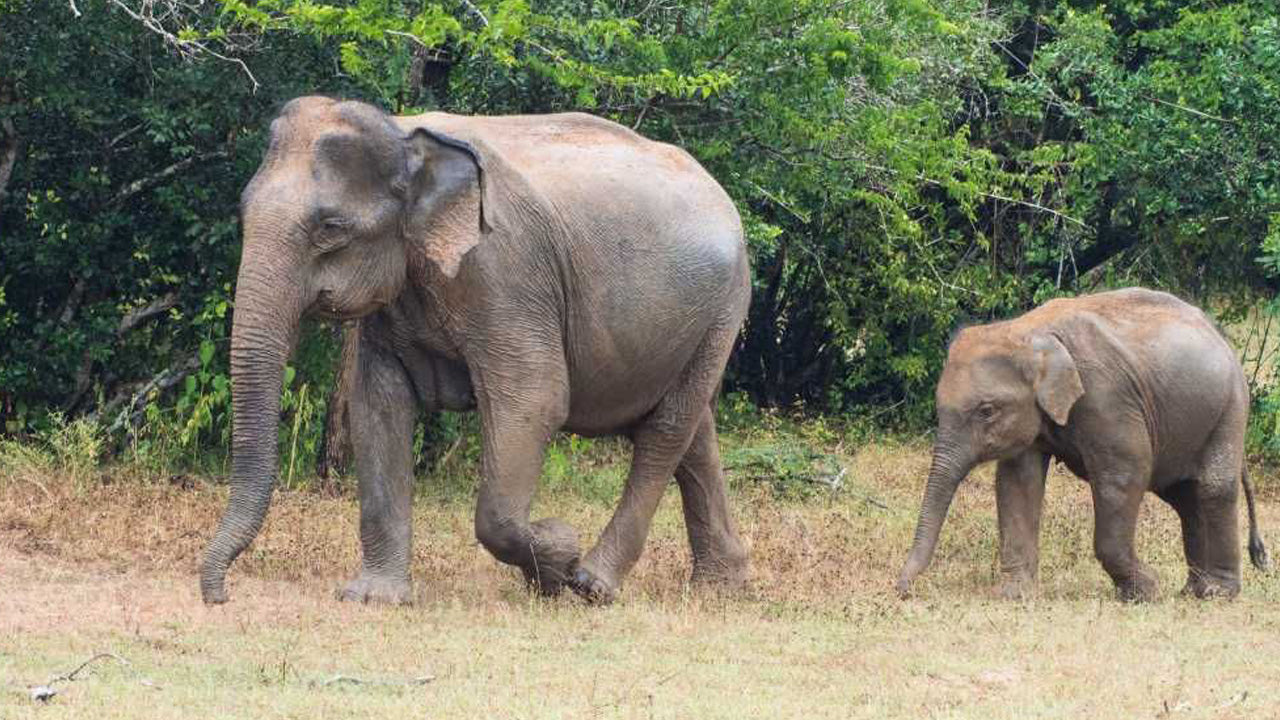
1133	390
551	272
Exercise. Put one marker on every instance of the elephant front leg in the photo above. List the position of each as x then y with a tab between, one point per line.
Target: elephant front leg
382	412
546	551
1019	501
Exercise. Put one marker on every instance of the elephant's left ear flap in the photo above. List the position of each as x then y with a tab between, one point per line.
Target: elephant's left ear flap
1057	382
450	197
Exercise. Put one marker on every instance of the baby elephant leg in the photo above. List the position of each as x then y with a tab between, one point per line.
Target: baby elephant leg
1019	500
1216	569
1116	501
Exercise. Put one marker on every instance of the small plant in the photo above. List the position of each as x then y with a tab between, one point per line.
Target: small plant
74	448
791	470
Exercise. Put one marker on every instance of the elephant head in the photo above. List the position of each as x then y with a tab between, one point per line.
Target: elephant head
999	388
345	208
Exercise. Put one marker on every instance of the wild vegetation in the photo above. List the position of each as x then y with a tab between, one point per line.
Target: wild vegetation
901	165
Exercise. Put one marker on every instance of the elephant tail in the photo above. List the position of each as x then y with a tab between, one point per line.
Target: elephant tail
1257	551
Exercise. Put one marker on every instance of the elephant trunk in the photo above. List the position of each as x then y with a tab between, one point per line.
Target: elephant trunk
263	330
950	466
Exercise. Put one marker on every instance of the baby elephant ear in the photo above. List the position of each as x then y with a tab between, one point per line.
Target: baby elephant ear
448	203
1057	382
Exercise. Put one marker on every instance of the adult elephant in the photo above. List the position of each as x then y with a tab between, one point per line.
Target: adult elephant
1134	390
555	271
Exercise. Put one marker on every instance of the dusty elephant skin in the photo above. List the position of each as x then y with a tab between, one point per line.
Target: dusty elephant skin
1133	390
551	272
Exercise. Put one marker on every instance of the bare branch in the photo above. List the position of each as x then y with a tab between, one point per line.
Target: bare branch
137	316
476	11
145	15
347	679
1193	111
74	10
133	403
154	179
100	656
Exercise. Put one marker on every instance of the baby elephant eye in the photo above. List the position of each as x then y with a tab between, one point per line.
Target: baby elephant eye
986	411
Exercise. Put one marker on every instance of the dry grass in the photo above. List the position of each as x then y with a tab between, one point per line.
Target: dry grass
108	564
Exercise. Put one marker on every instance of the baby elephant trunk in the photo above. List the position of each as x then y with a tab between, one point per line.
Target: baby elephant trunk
948	469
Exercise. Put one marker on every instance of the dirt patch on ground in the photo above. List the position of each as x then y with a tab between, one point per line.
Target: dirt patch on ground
46	595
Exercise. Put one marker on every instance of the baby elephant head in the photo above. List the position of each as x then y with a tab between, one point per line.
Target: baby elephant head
999	390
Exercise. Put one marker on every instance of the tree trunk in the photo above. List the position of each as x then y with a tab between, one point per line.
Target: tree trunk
10	144
334	457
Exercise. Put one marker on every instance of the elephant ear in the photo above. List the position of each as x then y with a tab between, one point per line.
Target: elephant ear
451	203
1057	382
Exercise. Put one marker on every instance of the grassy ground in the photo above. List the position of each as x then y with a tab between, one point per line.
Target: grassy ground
104	561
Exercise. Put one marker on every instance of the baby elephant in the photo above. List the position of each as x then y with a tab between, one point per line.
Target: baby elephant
1134	390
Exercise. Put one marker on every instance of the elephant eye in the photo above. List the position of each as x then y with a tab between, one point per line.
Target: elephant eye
986	411
332	234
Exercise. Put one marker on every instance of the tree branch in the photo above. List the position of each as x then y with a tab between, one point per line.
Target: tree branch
154	179
476	11
1193	111
133	402
137	316
186	47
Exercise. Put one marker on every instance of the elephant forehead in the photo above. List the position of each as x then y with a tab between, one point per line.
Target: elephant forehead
990	373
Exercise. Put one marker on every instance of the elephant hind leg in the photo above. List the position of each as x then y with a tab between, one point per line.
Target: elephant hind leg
718	554
1116	502
1217	531
660	442
1181	496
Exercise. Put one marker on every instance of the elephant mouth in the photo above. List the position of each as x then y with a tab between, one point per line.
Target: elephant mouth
327	308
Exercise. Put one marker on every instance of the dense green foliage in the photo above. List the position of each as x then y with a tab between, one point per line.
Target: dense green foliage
901	165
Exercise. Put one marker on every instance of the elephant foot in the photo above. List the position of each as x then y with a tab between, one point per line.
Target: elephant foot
1015	588
592	587
1141	588
728	573
1206	587
373	589
555	556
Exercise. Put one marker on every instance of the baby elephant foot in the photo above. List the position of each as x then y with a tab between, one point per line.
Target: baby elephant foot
1140	588
1204	586
1014	587
373	589
592	587
555	555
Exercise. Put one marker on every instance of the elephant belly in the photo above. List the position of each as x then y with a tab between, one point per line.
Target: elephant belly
610	395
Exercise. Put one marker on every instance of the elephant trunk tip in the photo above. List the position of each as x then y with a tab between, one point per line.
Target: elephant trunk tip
910	571
902	588
213	595
213	587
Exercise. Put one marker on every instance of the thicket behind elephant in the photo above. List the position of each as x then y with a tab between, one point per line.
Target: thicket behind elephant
551	272
1133	390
